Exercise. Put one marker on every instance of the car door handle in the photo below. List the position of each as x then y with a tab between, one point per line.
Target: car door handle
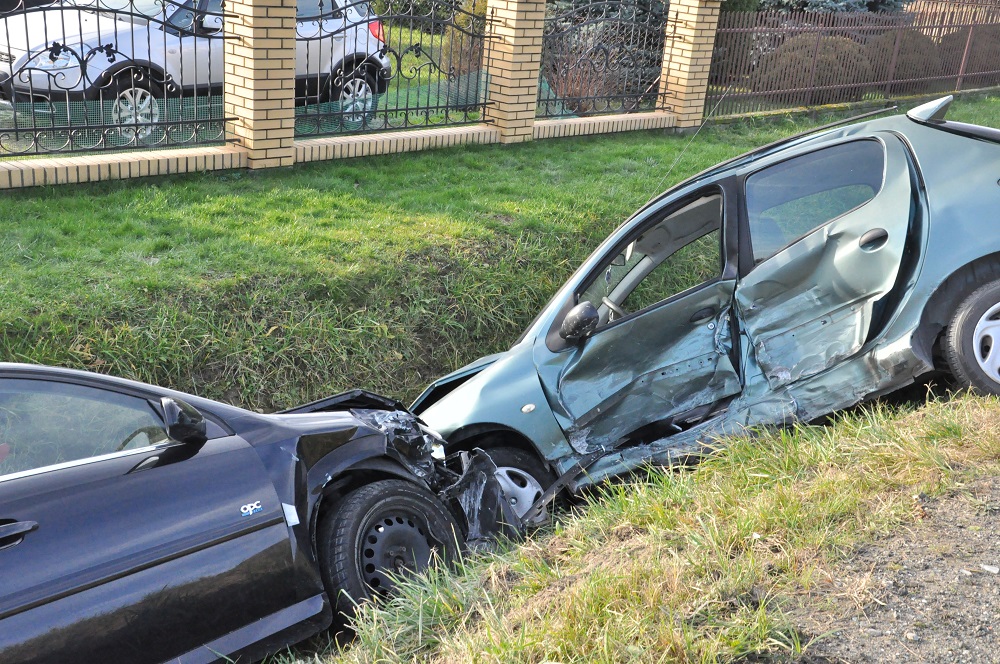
702	315
873	239
13	533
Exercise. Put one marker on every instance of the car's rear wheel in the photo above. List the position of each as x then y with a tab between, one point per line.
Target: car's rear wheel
522	476
378	532
356	93
972	343
136	105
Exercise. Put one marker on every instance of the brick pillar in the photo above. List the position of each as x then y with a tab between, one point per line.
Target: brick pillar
515	58
260	79
687	56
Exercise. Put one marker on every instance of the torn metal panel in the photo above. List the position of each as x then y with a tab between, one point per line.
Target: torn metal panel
650	367
810	306
409	443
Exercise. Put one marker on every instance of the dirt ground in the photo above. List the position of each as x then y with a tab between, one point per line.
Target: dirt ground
930	593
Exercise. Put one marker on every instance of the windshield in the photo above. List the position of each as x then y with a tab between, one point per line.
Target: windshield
152	8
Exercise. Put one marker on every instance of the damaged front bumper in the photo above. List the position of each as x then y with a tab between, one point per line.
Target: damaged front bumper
465	482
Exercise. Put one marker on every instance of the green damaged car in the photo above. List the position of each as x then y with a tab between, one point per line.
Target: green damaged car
788	283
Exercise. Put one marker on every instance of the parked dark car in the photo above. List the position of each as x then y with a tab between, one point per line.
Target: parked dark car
788	283
138	524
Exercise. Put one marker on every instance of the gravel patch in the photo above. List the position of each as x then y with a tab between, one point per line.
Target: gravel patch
930	593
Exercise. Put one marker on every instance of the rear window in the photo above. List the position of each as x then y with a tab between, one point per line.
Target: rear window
326	9
792	199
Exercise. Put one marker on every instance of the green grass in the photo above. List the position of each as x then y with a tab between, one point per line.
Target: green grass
270	288
696	565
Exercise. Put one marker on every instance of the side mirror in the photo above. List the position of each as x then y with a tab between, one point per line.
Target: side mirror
212	23
579	322
183	421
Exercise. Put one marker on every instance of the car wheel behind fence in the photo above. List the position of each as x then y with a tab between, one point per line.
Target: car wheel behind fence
378	532
972	342
358	99
137	104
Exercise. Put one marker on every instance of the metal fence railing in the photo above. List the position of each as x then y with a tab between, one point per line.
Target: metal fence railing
90	75
391	64
98	75
601	56
771	60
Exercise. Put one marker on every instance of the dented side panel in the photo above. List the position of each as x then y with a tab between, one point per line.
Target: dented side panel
649	367
809	306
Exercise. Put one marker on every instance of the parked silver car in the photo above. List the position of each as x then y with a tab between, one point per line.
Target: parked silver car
135	54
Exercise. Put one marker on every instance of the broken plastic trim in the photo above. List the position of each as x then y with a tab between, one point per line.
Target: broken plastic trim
480	499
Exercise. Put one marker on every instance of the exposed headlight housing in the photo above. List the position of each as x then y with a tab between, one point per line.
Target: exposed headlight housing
64	60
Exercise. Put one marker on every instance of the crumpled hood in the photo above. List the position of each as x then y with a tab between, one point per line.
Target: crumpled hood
306	423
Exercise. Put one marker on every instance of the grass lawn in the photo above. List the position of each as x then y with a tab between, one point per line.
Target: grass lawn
271	288
701	565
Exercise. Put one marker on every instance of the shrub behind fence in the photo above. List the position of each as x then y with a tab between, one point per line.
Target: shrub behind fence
601	57
772	60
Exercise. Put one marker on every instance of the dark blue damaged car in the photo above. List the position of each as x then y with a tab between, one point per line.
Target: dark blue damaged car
138	524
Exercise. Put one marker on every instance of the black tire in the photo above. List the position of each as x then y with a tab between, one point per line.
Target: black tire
386	525
525	473
965	348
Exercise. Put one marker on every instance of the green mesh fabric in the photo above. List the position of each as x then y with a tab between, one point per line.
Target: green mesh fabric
403	105
89	125
549	104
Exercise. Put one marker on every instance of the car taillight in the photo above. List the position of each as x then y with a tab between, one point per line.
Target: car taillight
377	30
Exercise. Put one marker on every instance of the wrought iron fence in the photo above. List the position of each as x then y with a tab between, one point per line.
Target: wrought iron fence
390	64
771	61
90	75
601	57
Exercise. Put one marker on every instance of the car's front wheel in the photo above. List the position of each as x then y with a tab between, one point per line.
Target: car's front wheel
378	532
523	478
972	343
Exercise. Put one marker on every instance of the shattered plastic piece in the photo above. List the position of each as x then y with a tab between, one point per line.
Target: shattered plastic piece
413	444
478	494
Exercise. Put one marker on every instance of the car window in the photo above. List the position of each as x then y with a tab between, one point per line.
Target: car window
305	9
673	255
790	200
184	17
43	423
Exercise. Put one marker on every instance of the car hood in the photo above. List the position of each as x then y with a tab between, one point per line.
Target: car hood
308	423
20	33
442	386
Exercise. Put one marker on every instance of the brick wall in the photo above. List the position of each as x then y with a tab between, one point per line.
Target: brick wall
687	58
260	97
260	80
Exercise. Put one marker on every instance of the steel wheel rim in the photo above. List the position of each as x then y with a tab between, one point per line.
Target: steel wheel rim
137	106
356	99
520	488
986	343
394	543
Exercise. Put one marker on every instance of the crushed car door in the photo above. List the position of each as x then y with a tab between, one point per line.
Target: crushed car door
662	348
827	232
